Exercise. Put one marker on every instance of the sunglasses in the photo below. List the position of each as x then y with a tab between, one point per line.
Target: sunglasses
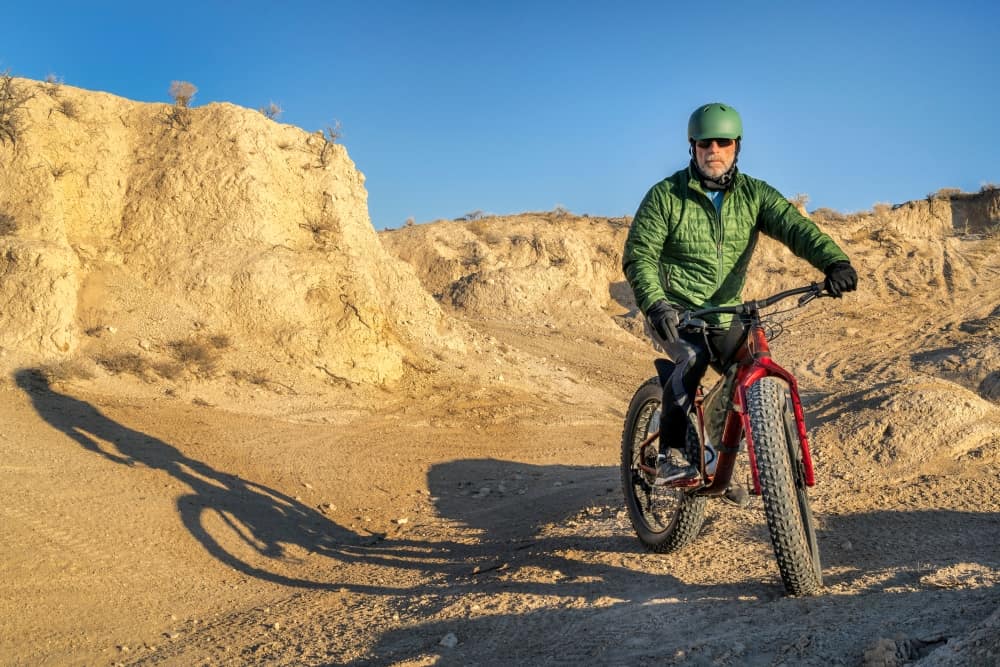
721	143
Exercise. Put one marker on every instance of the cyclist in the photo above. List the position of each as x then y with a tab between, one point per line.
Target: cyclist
688	248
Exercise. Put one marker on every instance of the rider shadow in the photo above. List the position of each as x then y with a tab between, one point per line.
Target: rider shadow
264	527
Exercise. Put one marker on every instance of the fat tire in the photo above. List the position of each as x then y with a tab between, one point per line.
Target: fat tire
786	505
665	519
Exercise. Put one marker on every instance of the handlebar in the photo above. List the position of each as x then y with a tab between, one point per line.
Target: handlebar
809	292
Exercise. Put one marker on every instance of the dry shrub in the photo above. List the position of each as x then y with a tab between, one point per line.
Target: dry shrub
68	108
8	225
199	354
60	170
182	92
125	362
272	111
330	137
258	376
169	370
558	212
12	101
471	216
323	229
63	371
881	208
829	215
179	115
944	193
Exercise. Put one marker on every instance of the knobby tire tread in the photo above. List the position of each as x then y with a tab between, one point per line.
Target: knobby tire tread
689	513
799	570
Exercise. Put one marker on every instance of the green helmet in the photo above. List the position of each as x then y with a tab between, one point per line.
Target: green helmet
715	121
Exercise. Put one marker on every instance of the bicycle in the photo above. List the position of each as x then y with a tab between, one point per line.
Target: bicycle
754	404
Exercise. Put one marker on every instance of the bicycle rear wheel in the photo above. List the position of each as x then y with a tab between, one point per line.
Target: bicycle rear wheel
786	505
664	518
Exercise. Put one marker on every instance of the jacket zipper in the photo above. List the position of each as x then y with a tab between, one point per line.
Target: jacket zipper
718	243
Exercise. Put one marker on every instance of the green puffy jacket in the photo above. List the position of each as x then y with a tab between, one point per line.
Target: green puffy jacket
681	250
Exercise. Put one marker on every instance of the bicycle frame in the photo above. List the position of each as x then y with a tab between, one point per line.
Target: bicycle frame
753	362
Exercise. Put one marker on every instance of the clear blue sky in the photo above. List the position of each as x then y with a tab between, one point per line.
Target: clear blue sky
449	107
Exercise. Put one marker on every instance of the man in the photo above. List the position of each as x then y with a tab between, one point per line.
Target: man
689	247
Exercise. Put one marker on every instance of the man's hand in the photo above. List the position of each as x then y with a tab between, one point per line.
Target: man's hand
840	277
664	318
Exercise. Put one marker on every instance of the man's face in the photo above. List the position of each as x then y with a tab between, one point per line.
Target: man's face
713	158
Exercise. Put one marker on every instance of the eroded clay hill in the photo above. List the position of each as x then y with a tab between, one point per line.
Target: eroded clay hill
912	359
177	245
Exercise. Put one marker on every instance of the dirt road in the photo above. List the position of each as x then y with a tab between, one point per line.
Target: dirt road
480	527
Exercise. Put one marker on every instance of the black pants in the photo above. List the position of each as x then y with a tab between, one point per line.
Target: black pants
691	357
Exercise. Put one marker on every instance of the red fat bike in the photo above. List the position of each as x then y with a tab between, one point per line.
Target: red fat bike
755	402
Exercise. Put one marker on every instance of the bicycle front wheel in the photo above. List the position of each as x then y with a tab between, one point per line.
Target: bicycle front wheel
665	519
786	505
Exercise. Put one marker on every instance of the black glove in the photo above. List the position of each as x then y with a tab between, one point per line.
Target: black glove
664	318
840	277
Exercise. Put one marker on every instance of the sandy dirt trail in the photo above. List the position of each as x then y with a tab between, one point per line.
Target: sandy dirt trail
155	531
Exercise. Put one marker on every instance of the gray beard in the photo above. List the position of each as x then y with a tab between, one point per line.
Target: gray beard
721	182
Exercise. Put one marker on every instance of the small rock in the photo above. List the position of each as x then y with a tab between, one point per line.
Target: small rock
402	521
846	545
144	344
276	625
307	485
449	640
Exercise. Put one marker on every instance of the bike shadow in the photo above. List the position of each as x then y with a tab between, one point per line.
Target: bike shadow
266	532
505	500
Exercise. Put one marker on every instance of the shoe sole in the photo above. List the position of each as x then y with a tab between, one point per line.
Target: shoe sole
682	483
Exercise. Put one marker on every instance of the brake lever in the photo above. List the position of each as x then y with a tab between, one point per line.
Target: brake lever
691	322
806	298
817	291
